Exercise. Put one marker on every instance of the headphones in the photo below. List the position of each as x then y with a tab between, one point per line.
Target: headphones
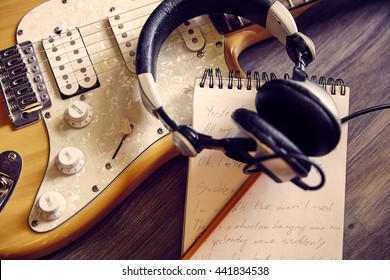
295	118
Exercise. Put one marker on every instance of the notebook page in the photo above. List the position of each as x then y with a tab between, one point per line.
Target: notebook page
213	178
278	221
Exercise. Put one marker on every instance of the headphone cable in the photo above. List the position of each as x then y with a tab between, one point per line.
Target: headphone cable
365	111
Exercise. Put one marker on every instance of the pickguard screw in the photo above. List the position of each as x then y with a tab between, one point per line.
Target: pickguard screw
160	131
34	223
200	54
82	97
57	30
218	44
12	156
20	32
64	1
95	188
47	115
112	9
108	165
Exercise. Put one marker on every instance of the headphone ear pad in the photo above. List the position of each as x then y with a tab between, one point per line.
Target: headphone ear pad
263	132
293	109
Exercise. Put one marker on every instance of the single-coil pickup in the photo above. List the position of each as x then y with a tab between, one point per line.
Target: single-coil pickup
192	36
126	28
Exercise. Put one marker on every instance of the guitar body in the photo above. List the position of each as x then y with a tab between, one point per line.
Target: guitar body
108	173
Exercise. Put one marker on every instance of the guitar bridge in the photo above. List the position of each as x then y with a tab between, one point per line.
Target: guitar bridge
22	85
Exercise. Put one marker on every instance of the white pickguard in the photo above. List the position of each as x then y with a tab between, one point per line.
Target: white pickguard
116	99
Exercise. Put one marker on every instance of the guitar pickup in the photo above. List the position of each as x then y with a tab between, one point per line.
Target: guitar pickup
22	85
192	36
127	27
70	63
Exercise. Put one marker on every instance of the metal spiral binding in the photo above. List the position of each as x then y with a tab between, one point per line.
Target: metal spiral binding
330	82
259	77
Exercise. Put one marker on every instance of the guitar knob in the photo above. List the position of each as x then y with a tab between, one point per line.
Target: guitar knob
79	114
70	160
51	205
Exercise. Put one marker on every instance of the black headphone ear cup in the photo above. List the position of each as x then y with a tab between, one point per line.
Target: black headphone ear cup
296	111
263	132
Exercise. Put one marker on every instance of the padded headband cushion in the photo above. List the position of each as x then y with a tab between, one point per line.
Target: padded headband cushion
171	13
299	115
262	131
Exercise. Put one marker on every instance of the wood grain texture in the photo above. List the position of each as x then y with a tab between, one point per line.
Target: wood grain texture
353	43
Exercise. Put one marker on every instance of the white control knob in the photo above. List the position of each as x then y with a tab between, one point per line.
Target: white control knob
70	160
51	205
79	114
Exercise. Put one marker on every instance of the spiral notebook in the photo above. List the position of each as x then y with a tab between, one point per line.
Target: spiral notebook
270	221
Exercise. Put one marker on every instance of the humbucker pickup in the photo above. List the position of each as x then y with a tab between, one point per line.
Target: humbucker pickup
70	63
22	85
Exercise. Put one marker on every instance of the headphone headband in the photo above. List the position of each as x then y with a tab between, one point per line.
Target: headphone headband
171	13
278	21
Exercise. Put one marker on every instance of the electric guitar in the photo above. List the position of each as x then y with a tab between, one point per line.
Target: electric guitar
75	138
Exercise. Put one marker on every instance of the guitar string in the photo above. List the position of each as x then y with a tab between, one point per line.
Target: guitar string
286	4
147	14
100	22
111	37
174	34
119	61
173	37
153	4
110	28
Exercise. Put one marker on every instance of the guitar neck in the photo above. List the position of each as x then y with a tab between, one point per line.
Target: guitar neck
226	23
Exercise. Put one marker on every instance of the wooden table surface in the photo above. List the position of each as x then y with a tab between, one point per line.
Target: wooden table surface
353	43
